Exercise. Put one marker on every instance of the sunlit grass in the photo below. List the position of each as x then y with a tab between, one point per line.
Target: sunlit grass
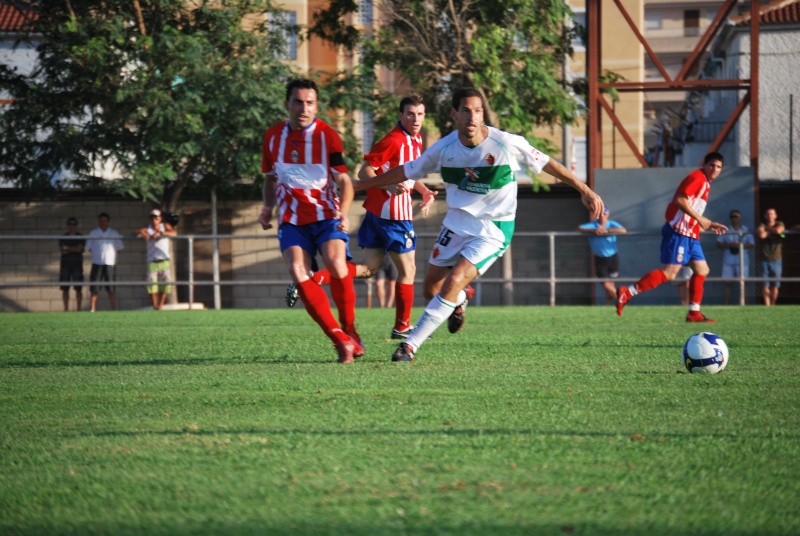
529	421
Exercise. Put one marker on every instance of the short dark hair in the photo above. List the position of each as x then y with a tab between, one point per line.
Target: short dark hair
103	215
411	99
713	156
72	220
734	211
465	93
300	83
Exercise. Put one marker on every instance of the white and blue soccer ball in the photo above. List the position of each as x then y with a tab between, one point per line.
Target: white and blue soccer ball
705	352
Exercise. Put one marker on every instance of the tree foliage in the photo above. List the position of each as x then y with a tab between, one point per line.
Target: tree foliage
512	50
168	92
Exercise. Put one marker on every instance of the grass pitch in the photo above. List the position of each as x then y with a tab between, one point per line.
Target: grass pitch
563	420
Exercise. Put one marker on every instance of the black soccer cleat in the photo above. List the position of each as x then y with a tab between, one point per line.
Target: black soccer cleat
400	333
291	295
403	353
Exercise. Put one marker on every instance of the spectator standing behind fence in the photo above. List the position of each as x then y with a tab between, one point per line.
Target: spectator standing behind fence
104	246
729	243
770	248
603	243
71	269
680	239
158	263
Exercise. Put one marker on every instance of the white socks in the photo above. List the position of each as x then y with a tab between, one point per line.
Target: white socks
436	313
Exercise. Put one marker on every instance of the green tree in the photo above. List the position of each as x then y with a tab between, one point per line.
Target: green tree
168	93
513	50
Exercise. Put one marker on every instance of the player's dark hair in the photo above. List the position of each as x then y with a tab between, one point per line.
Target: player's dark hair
72	220
103	215
465	93
713	156
411	100
300	83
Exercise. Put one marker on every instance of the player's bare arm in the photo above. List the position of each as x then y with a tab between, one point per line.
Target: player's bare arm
346	192
590	199
395	175
705	224
368	172
269	198
428	196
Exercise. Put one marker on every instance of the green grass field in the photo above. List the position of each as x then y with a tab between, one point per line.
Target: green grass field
535	420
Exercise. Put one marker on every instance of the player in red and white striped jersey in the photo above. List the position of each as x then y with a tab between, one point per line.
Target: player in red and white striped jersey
303	162
680	244
387	226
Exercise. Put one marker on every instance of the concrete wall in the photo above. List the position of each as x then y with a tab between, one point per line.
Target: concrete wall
638	200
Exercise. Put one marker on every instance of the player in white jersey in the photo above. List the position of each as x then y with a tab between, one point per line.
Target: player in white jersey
478	165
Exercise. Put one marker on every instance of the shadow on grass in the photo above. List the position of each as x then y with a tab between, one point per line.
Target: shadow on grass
410	523
187	361
634	436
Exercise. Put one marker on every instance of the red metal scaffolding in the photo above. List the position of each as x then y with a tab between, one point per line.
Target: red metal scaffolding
598	103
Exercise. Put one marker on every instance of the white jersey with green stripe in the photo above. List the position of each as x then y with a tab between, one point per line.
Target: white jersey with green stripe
480	180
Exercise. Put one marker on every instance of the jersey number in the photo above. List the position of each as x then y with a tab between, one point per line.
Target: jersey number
445	235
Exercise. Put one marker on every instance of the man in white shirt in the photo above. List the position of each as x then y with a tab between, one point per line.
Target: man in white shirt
103	243
729	242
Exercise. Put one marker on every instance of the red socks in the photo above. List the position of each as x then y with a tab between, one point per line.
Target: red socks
344	296
404	300
319	308
323	277
696	290
650	281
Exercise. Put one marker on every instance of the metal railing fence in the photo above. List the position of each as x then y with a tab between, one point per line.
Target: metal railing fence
540	268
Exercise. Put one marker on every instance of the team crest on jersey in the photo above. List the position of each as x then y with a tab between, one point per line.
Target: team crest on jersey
435	252
295	156
490	159
536	155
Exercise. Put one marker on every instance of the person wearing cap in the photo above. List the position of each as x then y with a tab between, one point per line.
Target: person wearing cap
603	243
71	268
158	258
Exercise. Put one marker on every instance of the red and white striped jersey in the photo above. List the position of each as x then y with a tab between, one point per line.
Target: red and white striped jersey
696	187
303	162
395	149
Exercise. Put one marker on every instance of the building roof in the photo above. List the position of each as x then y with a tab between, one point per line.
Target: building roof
775	12
13	18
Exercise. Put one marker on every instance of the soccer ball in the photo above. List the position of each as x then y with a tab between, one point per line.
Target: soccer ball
705	352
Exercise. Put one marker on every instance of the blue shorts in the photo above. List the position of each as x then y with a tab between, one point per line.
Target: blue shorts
679	249
388	235
311	237
770	269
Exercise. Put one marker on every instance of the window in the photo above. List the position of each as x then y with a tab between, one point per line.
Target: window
284	22
578	22
691	23
365	12
653	20
367	132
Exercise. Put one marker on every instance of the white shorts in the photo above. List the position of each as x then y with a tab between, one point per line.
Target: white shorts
481	250
732	270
